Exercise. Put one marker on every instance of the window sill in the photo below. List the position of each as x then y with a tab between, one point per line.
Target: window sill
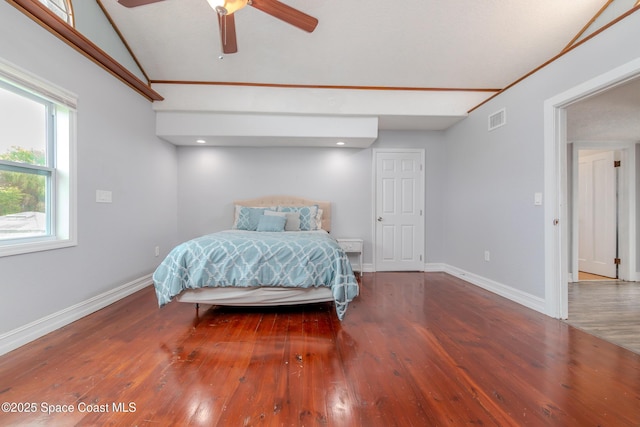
10	249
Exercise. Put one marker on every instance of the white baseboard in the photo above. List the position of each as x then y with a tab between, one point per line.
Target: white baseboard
530	301
434	267
24	334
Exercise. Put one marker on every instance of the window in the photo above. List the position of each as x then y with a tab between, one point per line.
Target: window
37	188
62	8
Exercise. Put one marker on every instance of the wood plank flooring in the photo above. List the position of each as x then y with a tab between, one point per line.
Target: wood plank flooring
607	309
415	349
583	275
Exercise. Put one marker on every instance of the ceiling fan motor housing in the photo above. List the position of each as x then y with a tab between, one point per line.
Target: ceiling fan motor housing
227	7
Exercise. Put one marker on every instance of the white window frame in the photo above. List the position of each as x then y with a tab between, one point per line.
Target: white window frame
63	11
61	207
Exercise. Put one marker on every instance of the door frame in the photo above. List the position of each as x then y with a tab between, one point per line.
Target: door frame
374	199
626	194
555	185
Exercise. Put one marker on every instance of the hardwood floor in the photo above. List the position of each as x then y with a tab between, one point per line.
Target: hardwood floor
415	349
607	309
583	275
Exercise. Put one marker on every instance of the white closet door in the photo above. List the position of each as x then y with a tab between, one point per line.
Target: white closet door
399	231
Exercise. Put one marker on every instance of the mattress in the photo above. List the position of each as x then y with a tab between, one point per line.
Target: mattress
252	260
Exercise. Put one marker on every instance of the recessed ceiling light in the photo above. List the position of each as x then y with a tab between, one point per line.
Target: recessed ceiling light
201	141
340	143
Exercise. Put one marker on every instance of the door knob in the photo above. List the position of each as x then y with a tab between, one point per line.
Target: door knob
379	219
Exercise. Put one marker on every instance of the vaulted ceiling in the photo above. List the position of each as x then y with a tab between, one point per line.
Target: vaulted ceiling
461	44
450	55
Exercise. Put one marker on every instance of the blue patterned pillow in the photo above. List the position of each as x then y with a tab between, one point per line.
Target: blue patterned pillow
307	215
271	223
248	218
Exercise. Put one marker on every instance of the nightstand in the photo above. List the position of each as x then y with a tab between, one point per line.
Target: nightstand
352	246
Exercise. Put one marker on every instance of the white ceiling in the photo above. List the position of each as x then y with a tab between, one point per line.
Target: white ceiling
423	43
422	46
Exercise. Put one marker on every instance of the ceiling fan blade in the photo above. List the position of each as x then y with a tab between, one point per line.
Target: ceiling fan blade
286	13
227	25
136	3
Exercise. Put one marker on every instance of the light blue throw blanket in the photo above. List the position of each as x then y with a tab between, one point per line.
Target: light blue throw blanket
250	258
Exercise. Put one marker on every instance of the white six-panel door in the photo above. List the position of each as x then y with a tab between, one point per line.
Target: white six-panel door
399	210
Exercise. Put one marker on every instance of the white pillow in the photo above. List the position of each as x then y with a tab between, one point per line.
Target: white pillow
293	219
319	220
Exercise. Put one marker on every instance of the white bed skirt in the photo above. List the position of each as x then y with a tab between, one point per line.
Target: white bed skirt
256	296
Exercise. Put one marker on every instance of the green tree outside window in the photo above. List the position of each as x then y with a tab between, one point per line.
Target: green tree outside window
22	192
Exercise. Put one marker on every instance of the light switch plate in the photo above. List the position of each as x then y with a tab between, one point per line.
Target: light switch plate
103	196
537	199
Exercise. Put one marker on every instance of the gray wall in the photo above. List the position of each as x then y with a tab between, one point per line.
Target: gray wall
117	150
492	176
91	22
210	178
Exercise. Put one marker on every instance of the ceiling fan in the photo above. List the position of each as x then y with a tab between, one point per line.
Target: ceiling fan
226	20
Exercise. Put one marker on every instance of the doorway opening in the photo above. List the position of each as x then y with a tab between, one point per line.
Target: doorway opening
559	235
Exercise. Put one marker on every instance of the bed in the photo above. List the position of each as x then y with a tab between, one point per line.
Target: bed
278	252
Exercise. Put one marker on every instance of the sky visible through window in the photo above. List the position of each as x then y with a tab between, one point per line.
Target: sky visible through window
22	122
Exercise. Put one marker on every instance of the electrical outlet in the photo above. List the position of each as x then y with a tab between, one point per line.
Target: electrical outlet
157	250
487	256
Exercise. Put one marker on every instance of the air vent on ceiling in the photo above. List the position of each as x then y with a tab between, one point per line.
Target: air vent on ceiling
498	119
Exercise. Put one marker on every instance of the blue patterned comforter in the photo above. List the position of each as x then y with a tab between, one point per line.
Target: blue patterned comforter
251	258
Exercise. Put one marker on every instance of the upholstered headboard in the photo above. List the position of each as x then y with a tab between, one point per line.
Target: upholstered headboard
291	201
